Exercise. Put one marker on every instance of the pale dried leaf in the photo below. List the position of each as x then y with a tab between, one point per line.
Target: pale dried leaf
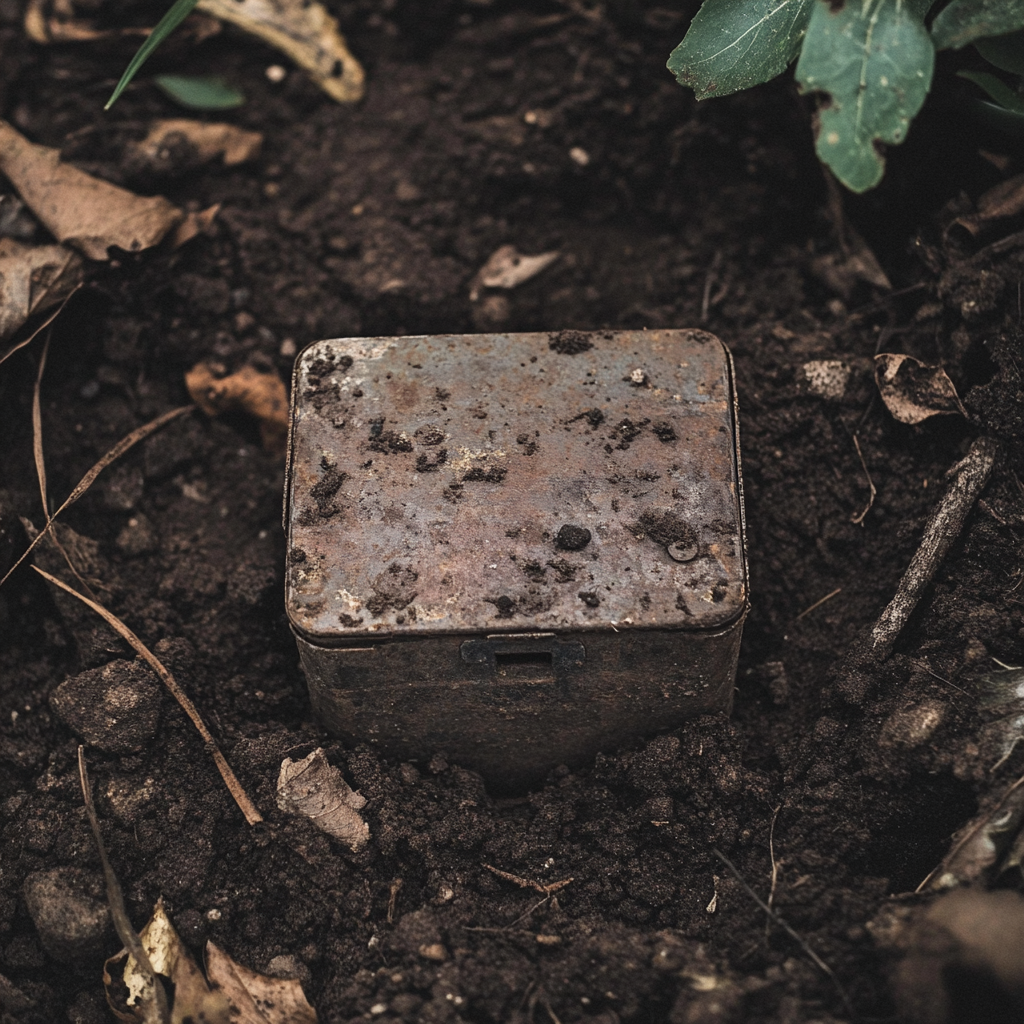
254	998
316	789
57	21
303	30
508	268
90	214
1003	200
194	224
210	141
193	998
262	395
33	278
913	391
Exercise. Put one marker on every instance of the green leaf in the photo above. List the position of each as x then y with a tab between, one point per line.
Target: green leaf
734	44
874	60
963	21
997	89
198	92
1005	52
179	11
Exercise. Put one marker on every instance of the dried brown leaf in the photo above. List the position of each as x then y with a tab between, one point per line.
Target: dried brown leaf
303	30
316	789
508	268
90	214
914	391
209	141
193	225
260	394
1003	200
194	1000
254	998
34	278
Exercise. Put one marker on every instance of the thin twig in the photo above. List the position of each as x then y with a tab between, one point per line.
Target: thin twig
527	883
115	898
710	280
46	323
139	434
944	525
771	853
245	805
791	932
37	427
818	603
396	888
858	520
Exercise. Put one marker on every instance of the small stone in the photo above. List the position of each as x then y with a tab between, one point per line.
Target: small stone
69	912
433	951
827	377
138	536
115	708
291	967
572	538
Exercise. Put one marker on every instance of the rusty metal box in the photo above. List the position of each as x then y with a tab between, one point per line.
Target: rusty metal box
516	550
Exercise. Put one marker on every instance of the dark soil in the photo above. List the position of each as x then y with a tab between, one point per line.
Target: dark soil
373	220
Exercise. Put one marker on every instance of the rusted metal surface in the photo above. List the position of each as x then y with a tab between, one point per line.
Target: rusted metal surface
517	549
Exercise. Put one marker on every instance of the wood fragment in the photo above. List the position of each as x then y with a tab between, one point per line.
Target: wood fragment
245	805
139	434
527	883
943	527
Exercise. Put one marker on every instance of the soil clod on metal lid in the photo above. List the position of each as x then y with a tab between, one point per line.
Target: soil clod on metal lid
572	538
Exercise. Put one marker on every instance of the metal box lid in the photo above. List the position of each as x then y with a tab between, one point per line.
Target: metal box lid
457	484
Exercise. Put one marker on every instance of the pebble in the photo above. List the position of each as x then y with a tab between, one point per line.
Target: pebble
69	912
115	708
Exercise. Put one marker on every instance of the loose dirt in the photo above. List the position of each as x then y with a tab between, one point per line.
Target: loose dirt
374	220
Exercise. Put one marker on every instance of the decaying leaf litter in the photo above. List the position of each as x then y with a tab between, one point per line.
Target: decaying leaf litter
873	780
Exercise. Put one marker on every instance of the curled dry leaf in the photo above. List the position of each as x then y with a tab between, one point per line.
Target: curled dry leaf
209	141
254	998
316	789
59	21
33	278
508	268
913	391
193	998
260	394
1003	200
305	32
87	213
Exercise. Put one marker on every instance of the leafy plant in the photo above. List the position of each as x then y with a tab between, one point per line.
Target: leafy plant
871	61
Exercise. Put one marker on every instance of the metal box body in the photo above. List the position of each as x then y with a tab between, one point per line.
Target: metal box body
515	549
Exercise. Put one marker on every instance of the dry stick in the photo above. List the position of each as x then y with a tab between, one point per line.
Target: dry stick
527	883
858	520
115	897
46	323
245	805
791	932
139	434
818	603
944	526
40	460
775	863
37	427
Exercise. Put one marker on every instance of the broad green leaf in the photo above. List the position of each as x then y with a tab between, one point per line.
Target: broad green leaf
179	11
874	61
963	21
1005	52
997	90
198	92
734	44
998	117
